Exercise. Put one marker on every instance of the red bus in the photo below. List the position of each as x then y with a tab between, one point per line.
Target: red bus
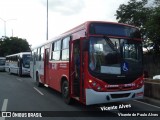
95	62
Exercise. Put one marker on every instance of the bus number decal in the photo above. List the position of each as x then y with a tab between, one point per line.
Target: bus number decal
63	65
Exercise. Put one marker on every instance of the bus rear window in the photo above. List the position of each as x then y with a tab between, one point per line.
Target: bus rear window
2	61
114	30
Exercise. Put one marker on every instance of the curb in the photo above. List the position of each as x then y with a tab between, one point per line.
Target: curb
151	101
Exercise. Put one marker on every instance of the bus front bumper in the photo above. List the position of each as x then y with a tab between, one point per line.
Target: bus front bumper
94	97
26	72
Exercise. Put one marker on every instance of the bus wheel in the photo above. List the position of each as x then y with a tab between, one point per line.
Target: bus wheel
9	71
37	81
65	92
20	73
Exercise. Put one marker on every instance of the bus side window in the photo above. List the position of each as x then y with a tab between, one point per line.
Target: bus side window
52	46
42	53
35	54
51	55
65	48
38	54
31	58
56	52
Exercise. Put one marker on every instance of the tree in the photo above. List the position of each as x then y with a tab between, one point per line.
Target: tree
157	2
134	13
153	24
13	45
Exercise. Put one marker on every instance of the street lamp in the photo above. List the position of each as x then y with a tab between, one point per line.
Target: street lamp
5	24
47	22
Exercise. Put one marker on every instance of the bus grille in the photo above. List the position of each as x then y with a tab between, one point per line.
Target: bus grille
120	95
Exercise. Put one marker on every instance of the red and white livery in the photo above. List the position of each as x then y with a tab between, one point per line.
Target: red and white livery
109	68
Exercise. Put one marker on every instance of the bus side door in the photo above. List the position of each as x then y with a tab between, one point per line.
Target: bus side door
76	82
46	66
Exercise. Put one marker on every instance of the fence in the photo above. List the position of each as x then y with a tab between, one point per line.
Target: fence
151	65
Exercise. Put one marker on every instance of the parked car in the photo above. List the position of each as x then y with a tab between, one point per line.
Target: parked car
156	77
148	48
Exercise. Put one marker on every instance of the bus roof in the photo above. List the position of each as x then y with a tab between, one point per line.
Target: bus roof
85	24
2	58
79	27
21	53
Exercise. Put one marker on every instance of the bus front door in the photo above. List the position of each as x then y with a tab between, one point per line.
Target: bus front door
76	70
46	67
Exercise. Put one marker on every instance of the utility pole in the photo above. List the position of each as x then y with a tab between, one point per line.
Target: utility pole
47	22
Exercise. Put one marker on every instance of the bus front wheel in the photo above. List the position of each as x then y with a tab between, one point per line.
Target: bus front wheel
65	92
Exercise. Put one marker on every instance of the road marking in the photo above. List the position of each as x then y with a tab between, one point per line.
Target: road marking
38	91
147	104
4	108
19	79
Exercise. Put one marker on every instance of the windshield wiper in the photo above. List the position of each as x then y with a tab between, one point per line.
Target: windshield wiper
110	43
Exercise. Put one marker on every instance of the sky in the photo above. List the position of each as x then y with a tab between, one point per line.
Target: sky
27	18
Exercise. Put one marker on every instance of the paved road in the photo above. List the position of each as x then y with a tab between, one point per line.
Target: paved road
21	94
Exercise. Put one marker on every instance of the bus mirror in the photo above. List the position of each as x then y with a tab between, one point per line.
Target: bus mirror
85	45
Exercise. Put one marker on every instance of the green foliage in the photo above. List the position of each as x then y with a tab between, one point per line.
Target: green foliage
133	13
13	45
153	24
157	2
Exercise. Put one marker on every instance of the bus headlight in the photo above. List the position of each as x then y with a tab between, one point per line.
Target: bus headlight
95	85
98	88
90	81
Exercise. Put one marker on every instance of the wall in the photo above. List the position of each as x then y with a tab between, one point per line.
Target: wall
152	88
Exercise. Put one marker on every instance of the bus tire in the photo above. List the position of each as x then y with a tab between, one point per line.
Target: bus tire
37	81
20	73
65	92
9	71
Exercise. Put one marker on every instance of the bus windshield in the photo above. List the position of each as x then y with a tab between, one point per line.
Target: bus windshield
2	61
26	61
114	56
